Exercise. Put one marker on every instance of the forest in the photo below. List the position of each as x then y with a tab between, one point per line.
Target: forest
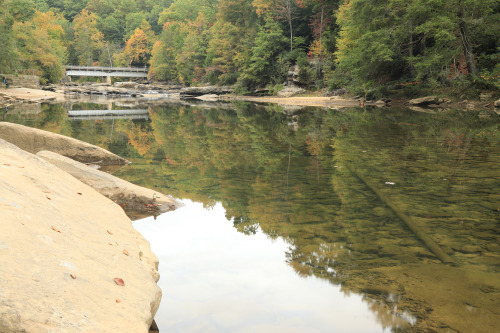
368	47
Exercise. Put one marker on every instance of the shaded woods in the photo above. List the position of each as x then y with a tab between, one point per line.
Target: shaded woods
369	47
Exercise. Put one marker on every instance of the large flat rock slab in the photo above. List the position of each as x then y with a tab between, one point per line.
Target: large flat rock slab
62	243
34	140
137	201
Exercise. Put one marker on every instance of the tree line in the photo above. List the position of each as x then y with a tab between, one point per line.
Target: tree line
367	46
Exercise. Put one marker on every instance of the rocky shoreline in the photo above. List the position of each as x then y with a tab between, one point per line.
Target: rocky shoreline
290	96
71	259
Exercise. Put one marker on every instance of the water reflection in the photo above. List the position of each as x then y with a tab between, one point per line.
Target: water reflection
215	279
290	176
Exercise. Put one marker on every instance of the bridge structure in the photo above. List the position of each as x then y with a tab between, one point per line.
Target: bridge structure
107	72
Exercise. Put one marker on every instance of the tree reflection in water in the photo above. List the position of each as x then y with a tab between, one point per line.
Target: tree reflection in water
288	173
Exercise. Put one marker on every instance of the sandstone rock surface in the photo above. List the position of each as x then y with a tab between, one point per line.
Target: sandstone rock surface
137	201
425	100
62	244
34	140
290	91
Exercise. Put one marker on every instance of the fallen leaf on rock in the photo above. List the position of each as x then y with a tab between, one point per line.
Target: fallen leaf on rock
119	281
55	229
109	232
73	276
118	300
48	198
125	252
79	193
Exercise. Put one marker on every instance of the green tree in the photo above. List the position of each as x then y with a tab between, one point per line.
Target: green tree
425	40
41	45
232	40
88	38
265	64
8	60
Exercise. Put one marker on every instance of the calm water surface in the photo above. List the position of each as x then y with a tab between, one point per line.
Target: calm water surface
293	219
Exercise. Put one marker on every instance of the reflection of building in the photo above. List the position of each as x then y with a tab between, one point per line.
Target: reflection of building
108	114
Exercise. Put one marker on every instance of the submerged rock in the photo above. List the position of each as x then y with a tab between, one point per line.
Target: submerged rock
137	201
62	245
34	140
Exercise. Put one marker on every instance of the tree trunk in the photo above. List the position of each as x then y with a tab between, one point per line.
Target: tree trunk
410	49
467	46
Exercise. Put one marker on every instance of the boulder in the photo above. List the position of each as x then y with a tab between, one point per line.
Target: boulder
425	100
34	140
497	103
485	96
208	98
132	85
290	91
191	92
62	246
138	202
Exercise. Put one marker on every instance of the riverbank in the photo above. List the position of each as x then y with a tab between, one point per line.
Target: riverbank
71	259
145	92
27	95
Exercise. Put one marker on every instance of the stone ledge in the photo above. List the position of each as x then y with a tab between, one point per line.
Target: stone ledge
62	245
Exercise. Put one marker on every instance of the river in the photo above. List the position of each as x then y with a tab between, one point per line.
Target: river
308	219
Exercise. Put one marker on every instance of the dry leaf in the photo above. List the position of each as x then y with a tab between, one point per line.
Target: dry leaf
48	198
55	229
118	300
109	232
125	252
73	276
79	193
119	281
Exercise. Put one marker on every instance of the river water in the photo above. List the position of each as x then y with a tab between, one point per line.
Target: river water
307	219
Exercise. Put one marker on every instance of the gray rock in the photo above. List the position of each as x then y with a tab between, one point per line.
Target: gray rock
424	100
485	96
191	92
290	91
132	85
